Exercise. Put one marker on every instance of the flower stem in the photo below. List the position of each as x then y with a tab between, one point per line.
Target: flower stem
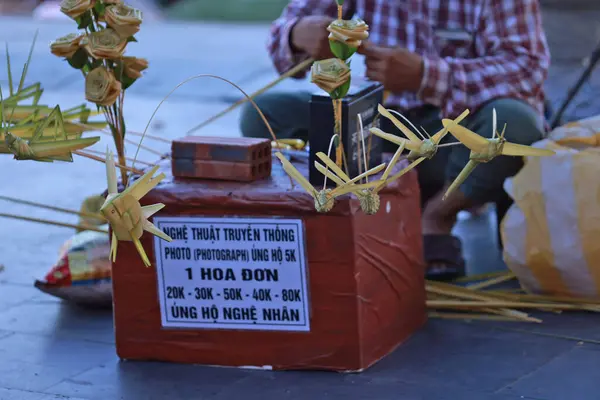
337	129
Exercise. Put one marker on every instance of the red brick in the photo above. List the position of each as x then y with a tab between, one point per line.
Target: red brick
228	171
221	149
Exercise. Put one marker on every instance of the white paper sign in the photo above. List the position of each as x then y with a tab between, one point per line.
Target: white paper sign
232	273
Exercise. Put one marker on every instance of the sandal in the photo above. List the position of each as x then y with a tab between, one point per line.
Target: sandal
443	256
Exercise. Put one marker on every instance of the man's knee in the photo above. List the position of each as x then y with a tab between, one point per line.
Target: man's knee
251	123
287	114
524	124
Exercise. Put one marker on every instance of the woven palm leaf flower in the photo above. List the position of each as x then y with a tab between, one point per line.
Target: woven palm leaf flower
329	74
101	87
123	19
106	43
75	8
66	46
350	32
133	66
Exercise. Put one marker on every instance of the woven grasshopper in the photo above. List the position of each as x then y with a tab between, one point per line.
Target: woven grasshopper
421	149
325	198
49	141
367	193
485	149
37	132
127	218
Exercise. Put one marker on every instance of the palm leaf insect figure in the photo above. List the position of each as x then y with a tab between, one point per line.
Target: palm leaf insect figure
324	198
485	149
49	141
127	218
368	193
421	149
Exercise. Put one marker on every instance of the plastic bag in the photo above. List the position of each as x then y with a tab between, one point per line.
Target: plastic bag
551	231
82	273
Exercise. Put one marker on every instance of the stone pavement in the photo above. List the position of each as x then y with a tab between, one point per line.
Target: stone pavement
51	350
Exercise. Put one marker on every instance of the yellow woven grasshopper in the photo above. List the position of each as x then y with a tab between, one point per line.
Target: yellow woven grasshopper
48	143
37	132
485	149
366	193
127	218
325	198
421	149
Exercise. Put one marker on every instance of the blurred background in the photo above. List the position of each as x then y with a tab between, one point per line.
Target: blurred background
230	10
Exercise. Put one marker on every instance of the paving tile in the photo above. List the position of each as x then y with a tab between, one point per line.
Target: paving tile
52	318
5	333
323	385
34	377
573	375
15	294
465	355
32	362
148	380
571	326
55	351
14	394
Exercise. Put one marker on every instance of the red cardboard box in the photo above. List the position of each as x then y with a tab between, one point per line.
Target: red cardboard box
344	291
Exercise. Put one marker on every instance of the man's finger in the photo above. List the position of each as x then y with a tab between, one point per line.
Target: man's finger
371	50
368	49
375	72
371	63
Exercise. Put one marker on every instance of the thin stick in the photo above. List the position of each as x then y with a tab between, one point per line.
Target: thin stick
444	294
487	317
408	121
153	137
53	208
480	277
93	157
337	130
541	298
158	153
127	158
459	292
331	141
359	144
507	304
55	223
492	282
293	71
134	133
260	113
449	144
141	146
344	159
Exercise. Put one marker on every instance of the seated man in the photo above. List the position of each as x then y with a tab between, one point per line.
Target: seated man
437	59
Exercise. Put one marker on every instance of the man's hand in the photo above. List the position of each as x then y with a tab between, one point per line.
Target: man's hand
397	69
309	35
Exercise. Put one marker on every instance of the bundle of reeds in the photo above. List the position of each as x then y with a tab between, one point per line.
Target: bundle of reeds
479	298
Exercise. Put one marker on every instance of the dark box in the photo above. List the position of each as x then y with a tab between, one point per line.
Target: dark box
363	98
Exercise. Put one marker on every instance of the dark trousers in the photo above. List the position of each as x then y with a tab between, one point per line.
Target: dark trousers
289	113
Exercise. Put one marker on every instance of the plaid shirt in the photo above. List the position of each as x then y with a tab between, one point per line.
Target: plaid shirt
473	50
